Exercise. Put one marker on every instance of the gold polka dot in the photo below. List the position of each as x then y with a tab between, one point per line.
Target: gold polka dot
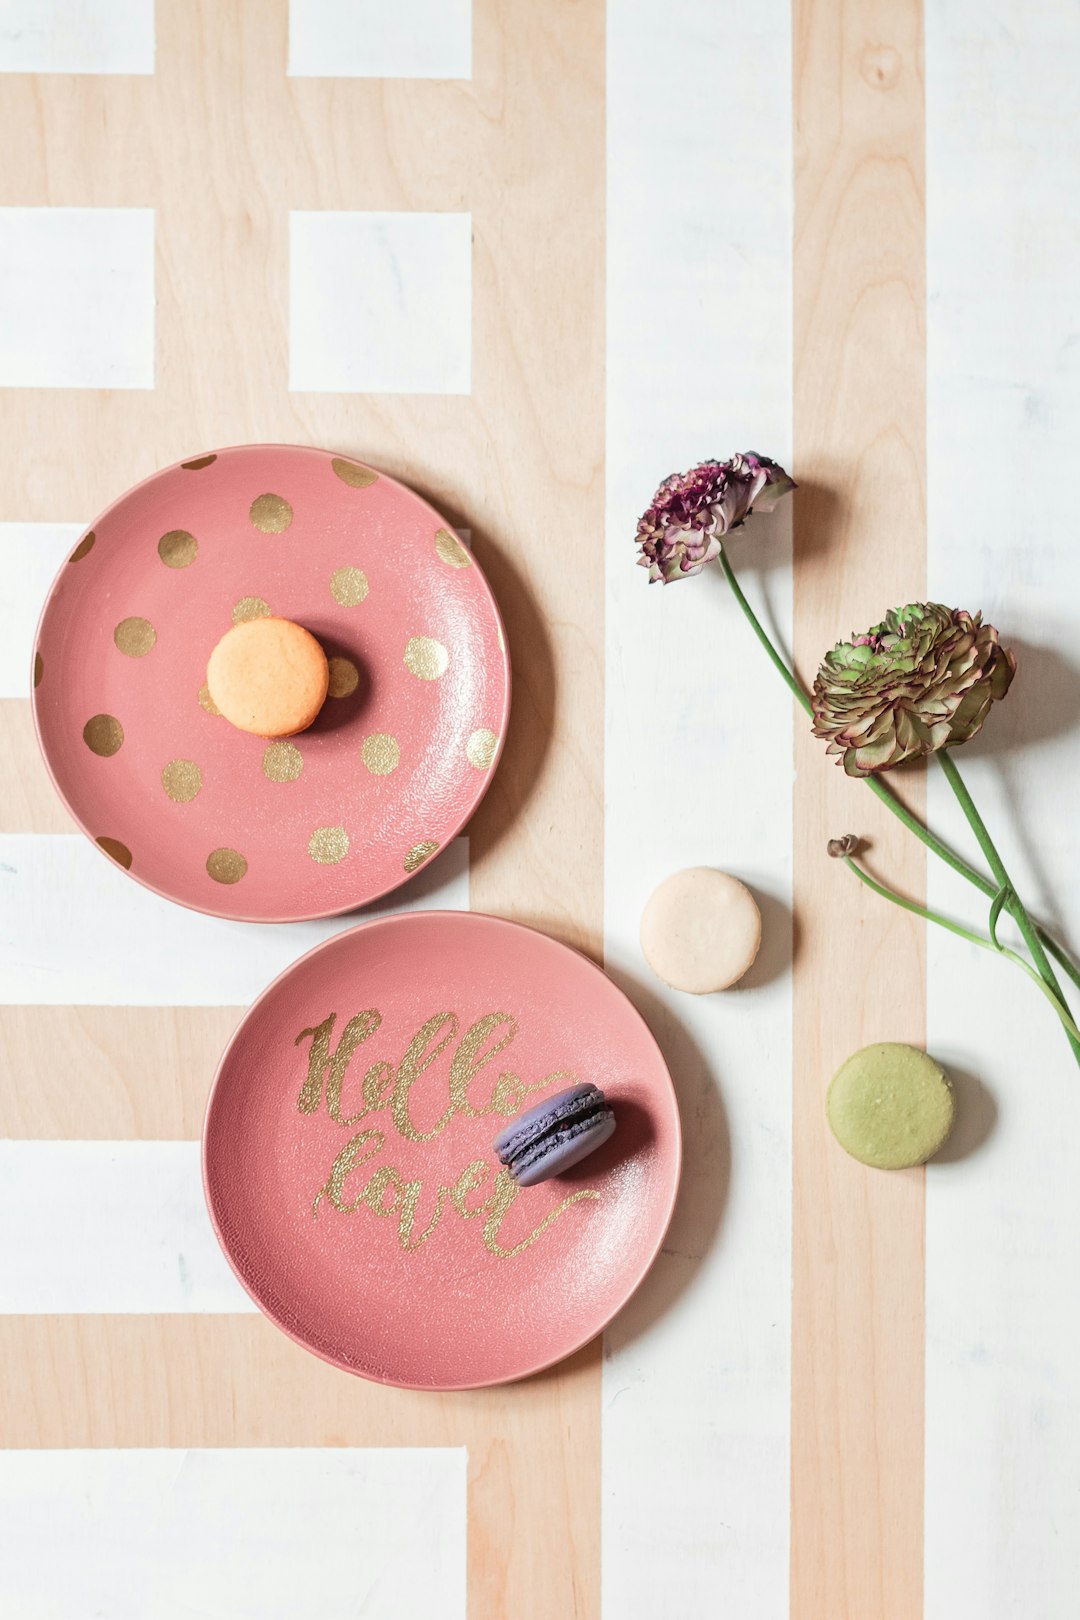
250	607
351	473
103	734
226	865
381	753
272	514
481	747
328	845
419	854
206	701
84	547
348	586
450	549
426	658
344	678
119	852
282	762
198	464
177	549
181	780
39	668
135	637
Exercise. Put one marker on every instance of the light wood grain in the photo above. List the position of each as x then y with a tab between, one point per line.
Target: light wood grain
236	1381
109	1073
221	144
860	530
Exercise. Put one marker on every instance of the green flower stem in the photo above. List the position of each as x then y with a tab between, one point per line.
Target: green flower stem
991	891
1014	904
781	664
1061	957
985	944
878	787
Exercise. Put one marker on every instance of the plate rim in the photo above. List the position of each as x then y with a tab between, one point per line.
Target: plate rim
211	910
407	918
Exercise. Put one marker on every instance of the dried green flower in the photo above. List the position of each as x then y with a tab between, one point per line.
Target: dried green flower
923	679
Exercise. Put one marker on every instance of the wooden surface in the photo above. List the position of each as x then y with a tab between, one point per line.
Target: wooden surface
860	543
222	145
840	232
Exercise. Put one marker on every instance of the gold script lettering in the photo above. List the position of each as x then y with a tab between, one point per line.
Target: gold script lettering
334	1186
378	1086
405	1196
474	1175
386	1191
374	1194
321	1064
413	1189
504	1192
469	1059
511	1091
413	1064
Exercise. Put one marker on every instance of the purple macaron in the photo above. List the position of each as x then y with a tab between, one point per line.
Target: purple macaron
556	1133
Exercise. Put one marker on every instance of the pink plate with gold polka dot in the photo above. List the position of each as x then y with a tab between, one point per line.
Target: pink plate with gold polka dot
348	1160
225	821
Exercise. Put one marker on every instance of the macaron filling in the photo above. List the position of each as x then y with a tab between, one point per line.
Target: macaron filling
555	1134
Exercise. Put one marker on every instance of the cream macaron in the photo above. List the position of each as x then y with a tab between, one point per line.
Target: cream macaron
700	930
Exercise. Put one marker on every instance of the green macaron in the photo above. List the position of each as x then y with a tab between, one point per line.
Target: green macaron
891	1106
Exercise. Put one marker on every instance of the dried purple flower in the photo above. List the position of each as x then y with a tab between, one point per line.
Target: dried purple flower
691	512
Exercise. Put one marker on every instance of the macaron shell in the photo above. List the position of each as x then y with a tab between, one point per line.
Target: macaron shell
542	1116
268	676
890	1106
700	930
565	1149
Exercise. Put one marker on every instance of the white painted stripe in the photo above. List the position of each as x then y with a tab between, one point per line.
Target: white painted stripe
249	1534
380	303
76	298
30	555
1003	1223
380	39
696	1380
109	1227
77	36
77	931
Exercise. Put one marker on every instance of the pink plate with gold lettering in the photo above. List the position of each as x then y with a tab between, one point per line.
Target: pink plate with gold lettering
218	819
347	1154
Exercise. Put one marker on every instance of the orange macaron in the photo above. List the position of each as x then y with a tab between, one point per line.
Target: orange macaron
268	676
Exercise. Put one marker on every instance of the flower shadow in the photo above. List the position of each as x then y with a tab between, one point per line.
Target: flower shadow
817	518
811	517
1042	703
767	544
